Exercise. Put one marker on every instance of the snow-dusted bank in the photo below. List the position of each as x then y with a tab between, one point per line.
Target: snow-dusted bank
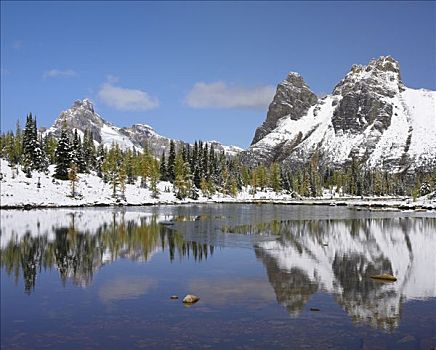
43	190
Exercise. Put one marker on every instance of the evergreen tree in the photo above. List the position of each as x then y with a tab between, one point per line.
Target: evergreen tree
212	164
129	166
49	146
286	180
262	177
30	144
41	159
205	162
99	160
314	177
154	178
254	182
305	189
275	179
63	155
183	184
163	168
89	152
171	163
233	187
245	175
77	156
145	165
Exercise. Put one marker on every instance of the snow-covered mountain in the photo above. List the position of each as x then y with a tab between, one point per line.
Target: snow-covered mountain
82	116
339	256
370	115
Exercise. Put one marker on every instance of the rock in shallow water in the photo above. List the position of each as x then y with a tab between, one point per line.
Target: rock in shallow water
190	299
385	277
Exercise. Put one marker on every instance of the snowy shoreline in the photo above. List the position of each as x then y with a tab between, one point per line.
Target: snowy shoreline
370	203
43	191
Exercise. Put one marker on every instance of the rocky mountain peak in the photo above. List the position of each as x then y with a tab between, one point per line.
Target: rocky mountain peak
80	116
85	104
380	75
385	64
364	92
81	112
293	97
294	78
144	128
371	116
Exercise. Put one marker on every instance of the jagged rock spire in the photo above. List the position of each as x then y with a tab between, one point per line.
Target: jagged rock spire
293	97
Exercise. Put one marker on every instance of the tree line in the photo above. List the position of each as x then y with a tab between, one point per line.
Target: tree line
192	169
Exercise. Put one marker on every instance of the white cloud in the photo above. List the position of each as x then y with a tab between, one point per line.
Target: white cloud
125	99
220	95
54	73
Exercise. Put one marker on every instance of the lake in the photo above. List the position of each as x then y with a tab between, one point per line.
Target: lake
268	276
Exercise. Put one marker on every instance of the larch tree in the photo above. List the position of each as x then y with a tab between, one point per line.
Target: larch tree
110	167
72	176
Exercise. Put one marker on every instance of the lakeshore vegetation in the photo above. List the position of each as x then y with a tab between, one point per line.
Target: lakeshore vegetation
194	168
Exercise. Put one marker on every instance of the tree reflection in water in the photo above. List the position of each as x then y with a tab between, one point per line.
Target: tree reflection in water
301	257
77	254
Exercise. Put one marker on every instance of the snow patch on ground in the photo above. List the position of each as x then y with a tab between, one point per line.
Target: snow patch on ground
18	191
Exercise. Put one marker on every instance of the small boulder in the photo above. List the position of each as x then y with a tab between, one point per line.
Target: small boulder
190	299
314	309
384	277
174	297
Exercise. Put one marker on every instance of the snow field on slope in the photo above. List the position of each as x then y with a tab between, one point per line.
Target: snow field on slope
422	108
412	109
110	135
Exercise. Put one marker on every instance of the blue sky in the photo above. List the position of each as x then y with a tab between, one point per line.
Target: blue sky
200	70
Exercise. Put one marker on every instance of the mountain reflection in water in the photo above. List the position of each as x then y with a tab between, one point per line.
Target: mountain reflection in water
301	257
339	256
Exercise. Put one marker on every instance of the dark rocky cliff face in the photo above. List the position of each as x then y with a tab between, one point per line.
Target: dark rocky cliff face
293	97
362	92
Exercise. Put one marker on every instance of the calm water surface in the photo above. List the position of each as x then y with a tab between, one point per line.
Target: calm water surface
102	278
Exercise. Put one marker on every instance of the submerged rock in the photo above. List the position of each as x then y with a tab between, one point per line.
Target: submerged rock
174	297
385	277
190	299
314	309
